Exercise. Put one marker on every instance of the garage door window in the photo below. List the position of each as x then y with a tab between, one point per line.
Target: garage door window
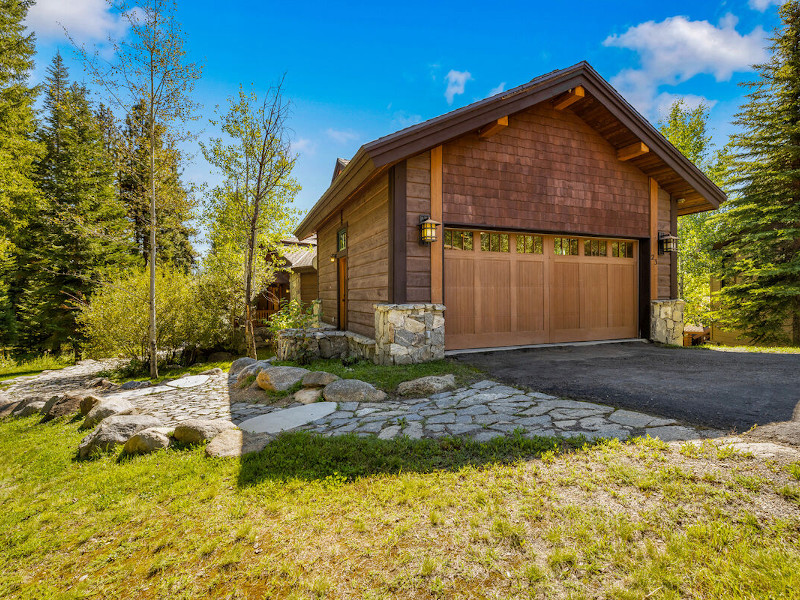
594	247
565	246
530	244
457	240
494	242
622	249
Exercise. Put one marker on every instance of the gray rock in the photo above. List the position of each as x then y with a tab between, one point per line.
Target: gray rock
110	407
319	379
252	371
280	379
633	419
241	363
482	385
148	440
352	390
214	371
308	395
445	418
413	431
194	431
29	408
134	385
235	442
672	433
62	406
389	433
88	403
425	386
114	431
8	408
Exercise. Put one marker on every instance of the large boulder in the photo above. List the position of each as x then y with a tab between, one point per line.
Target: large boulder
110	407
194	431
214	371
425	386
241	363
319	379
279	379
235	442
88	403
29	408
114	431
148	440
62	406
252	371
352	390
101	383
8	409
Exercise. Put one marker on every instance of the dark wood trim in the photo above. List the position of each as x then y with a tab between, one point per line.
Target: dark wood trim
644	288
673	273
398	216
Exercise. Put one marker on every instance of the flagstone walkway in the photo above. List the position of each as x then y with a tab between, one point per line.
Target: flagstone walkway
482	411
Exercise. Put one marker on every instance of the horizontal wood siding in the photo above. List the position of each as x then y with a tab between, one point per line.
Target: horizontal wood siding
547	171
326	245
309	289
664	260
418	202
367	218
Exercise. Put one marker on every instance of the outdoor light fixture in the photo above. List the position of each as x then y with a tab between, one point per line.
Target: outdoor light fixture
427	229
333	257
667	243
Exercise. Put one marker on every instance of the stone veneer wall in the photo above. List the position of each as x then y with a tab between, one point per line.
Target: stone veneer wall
406	334
666	321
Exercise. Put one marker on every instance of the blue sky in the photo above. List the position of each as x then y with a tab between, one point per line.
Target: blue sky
356	71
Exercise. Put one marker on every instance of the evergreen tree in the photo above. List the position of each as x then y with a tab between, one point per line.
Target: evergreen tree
18	148
174	202
761	254
80	235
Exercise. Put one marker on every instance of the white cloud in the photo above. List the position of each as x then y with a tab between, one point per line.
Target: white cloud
304	146
402	119
677	49
762	5
85	20
497	90
341	136
456	80
663	102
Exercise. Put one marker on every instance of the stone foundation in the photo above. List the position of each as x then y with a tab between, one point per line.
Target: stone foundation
405	334
666	321
408	333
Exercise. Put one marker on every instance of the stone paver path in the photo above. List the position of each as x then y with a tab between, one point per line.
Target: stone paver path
482	411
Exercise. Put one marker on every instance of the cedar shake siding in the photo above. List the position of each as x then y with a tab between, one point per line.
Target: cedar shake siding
366	217
547	171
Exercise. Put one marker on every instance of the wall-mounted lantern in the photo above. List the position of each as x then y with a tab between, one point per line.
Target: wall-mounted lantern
427	229
667	243
333	257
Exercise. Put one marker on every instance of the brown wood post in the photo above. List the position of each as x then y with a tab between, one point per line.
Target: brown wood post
653	239
437	247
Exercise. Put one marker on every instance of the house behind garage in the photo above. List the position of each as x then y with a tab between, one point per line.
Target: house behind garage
557	204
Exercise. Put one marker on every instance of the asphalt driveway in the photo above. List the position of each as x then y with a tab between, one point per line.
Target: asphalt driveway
725	390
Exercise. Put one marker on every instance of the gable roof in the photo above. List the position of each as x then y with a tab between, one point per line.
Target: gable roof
602	107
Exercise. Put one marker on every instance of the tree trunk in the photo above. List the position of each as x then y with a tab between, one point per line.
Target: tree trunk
153	341
249	332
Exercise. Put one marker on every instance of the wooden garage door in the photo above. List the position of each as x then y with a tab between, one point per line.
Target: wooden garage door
508	289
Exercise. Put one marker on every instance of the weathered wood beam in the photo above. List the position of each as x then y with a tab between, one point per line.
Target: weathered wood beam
632	151
569	98
493	128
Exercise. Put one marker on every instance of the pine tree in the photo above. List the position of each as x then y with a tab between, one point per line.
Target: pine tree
18	148
174	203
80	235
761	256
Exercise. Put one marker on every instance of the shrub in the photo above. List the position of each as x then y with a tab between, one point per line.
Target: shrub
292	315
189	316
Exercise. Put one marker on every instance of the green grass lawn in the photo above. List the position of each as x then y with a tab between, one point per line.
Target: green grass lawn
766	349
10	368
356	517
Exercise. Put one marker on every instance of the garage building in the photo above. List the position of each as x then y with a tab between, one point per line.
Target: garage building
555	210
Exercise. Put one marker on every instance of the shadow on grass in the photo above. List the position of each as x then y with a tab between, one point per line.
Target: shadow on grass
308	456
